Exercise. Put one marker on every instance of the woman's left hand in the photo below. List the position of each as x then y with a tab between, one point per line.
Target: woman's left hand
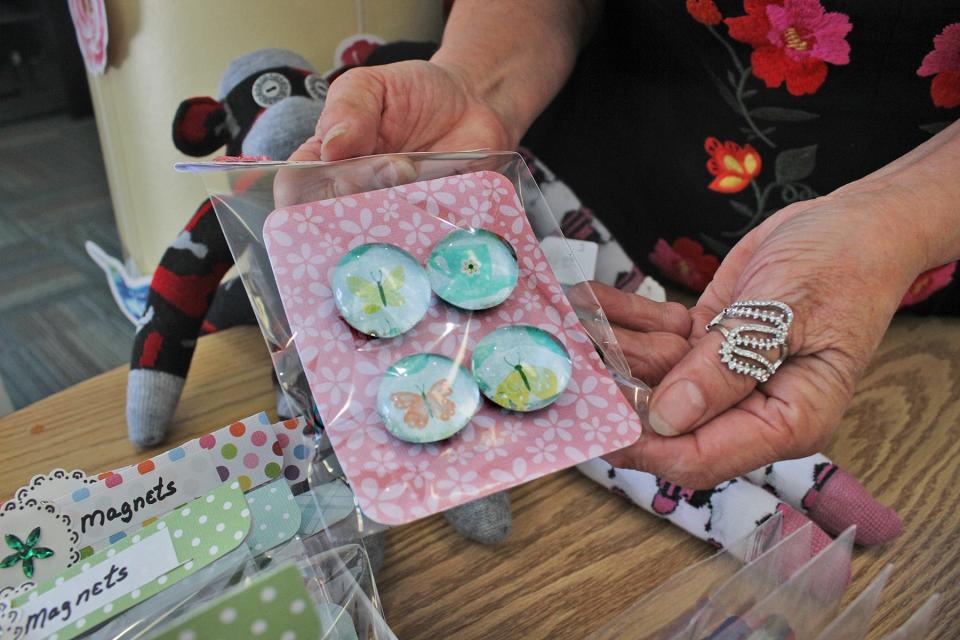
843	264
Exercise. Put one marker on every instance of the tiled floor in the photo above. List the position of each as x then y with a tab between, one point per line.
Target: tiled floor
58	323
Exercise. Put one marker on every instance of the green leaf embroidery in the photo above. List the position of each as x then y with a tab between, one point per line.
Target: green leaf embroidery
741	208
714	245
782	114
793	165
934	127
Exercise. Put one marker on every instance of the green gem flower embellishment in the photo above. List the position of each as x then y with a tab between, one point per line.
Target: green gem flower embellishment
25	552
470	266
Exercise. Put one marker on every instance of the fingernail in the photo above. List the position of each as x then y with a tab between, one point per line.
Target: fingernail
677	409
387	175
334	132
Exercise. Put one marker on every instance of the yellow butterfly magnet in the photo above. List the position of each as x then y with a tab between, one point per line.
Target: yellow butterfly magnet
380	290
521	367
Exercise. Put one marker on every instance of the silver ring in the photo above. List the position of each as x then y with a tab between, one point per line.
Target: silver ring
767	328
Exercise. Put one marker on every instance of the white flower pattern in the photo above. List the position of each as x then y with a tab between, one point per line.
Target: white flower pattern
396	482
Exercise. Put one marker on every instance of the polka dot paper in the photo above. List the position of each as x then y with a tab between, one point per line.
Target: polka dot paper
275	514
274	606
245	452
201	531
396	482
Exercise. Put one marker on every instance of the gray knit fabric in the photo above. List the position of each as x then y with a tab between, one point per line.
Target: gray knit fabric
280	129
258	60
152	398
487	520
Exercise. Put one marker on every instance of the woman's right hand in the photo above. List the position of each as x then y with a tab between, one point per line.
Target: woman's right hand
413	105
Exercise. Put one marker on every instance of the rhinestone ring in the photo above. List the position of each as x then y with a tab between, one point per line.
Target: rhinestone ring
767	324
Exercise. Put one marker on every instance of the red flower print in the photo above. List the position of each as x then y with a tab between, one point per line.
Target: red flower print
928	283
793	40
943	63
685	262
734	166
704	11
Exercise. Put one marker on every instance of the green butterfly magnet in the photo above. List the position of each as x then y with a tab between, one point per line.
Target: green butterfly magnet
473	269
521	368
380	290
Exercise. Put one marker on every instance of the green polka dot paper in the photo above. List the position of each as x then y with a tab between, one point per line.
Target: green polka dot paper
274	606
275	515
201	531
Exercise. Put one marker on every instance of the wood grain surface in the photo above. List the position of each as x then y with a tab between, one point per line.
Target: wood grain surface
577	555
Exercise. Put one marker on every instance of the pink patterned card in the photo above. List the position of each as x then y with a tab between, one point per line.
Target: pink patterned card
396	482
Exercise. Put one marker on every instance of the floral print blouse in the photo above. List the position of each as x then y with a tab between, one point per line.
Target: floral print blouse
687	123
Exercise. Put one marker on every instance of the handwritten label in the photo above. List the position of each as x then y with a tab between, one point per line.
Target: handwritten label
248	452
109	511
98	586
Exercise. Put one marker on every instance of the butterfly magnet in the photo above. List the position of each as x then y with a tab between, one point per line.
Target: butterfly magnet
380	290
473	269
521	368
426	398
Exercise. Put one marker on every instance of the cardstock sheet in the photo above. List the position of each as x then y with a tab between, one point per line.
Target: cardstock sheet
275	515
246	451
396	482
274	606
200	532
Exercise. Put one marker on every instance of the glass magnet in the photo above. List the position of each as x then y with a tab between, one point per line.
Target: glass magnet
380	290
426	397
473	269
520	367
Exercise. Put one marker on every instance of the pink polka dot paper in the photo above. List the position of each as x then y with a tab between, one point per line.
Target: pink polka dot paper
396	482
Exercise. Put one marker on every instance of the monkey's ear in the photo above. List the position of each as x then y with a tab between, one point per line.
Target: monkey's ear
200	126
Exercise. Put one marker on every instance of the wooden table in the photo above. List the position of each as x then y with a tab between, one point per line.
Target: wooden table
577	555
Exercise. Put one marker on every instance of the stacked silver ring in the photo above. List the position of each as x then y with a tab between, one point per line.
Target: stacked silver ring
766	328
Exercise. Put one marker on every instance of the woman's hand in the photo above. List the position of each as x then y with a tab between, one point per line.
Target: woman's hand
410	106
652	335
842	263
481	90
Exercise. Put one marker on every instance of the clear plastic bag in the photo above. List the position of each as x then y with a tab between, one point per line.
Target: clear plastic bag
751	583
670	609
444	329
340	582
854	622
918	626
805	603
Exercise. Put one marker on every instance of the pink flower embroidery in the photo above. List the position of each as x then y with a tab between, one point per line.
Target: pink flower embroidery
685	262
943	63
90	23
793	40
928	283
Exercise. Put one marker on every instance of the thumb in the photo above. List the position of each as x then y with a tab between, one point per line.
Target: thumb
350	122
697	389
705	383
